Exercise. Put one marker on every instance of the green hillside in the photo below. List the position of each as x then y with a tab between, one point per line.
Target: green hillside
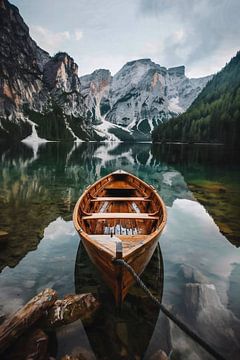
214	116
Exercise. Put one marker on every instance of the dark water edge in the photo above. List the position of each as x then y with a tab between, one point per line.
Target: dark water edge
200	186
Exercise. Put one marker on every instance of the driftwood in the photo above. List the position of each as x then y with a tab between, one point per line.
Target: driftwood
70	309
24	318
32	345
43	311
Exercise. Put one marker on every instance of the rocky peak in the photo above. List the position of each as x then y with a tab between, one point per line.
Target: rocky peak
141	95
95	88
176	71
99	79
145	61
101	74
61	72
138	73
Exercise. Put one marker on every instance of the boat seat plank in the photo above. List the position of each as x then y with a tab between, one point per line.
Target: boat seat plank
142	216
130	198
119	185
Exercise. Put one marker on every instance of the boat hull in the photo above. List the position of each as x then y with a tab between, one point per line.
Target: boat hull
117	277
140	215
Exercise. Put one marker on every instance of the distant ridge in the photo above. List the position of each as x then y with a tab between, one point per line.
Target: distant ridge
215	114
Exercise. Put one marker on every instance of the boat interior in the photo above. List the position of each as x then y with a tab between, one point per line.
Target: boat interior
120	204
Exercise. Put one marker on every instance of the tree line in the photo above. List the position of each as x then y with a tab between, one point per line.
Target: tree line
214	116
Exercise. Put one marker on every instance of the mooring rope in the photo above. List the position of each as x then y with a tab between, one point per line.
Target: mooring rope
179	323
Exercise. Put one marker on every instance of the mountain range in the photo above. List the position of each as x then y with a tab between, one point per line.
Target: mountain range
42	97
138	97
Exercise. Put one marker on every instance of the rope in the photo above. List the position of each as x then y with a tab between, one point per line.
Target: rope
179	323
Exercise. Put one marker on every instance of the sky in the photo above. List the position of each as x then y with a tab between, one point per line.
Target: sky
203	35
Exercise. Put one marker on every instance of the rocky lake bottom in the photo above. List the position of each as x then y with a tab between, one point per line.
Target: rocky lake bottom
195	271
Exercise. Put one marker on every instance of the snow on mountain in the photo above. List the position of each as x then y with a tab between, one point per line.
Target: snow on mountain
139	96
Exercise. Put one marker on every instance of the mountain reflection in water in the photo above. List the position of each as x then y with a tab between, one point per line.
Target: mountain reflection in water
200	186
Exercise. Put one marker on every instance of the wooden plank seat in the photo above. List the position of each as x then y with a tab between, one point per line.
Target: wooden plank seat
130	198
137	216
119	185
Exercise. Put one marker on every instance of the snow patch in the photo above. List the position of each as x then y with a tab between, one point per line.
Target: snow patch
174	106
103	130
34	140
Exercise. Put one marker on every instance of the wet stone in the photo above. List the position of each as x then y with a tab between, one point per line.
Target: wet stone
159	355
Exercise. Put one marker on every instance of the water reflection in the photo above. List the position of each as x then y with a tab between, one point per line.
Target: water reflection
201	189
124	335
48	266
212	174
36	189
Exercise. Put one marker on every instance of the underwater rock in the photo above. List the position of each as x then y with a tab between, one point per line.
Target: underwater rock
202	310
159	355
209	316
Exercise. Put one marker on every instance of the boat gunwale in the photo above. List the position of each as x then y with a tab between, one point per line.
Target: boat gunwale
86	236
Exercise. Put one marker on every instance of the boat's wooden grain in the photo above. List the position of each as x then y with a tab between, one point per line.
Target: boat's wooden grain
129	198
119	215
119	208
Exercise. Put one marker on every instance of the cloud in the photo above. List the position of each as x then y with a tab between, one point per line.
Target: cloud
207	29
48	40
78	34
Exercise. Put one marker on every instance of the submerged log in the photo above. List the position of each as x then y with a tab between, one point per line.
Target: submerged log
70	309
32	345
24	318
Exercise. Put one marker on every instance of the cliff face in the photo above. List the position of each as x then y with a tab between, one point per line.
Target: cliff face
37	89
140	96
95	89
21	67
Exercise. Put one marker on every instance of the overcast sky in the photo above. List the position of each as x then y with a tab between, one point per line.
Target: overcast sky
201	34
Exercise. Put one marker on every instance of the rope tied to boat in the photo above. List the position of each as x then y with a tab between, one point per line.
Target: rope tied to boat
172	317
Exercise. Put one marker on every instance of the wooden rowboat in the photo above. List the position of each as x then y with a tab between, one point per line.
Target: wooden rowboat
119	217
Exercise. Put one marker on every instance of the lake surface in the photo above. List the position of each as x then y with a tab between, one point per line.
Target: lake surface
195	271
